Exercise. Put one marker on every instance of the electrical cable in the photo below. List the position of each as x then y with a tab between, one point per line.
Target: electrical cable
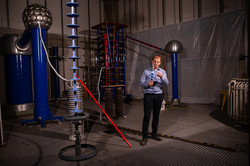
47	55
98	84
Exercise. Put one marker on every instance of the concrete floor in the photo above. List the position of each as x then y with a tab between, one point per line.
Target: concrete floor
194	126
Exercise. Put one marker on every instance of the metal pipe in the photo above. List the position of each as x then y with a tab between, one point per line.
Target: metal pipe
175	76
24	40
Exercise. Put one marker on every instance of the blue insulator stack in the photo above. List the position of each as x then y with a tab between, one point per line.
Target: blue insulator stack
76	119
73	15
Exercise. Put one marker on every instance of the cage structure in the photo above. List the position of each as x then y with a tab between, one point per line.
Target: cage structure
111	55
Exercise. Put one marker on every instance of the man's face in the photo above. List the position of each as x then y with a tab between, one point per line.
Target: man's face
156	62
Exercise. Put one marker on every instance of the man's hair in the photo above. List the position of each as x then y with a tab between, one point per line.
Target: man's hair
156	56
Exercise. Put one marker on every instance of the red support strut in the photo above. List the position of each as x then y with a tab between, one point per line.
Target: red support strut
104	112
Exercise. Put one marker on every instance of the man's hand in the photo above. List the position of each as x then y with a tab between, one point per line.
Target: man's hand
151	83
159	74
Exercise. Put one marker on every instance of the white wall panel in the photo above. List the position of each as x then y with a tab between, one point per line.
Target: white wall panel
159	13
82	20
133	16
15	12
145	14
153	14
127	16
94	13
55	9
134	13
3	14
42	2
232	5
140	17
210	7
121	11
188	10
170	12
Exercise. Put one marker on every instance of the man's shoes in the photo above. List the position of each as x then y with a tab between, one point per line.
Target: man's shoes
155	137
143	142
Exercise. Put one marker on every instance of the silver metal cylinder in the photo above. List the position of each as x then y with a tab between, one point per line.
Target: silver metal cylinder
8	46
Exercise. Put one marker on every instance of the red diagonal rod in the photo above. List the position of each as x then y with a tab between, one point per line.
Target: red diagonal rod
147	44
150	45
104	112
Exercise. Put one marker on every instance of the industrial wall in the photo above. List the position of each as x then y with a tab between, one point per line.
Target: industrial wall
212	50
140	16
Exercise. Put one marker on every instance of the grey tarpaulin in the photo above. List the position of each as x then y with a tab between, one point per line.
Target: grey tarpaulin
210	58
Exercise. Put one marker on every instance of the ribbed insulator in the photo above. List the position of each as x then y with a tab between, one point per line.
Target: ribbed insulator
109	102
118	102
71	106
70	97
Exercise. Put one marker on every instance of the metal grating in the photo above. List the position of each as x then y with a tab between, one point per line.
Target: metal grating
180	153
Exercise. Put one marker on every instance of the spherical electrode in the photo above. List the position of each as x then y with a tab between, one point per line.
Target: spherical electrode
35	13
173	46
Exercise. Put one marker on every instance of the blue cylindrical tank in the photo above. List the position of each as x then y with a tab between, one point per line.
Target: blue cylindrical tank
18	78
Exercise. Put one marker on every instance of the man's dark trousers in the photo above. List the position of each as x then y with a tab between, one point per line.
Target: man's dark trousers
151	101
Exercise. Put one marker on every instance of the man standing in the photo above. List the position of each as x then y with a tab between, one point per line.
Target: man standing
152	80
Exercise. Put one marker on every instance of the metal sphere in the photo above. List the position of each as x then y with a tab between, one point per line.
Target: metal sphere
173	46
37	13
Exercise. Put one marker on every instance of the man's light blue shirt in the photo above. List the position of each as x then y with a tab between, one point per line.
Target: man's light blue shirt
149	75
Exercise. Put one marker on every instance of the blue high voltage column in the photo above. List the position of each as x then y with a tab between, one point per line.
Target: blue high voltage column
40	76
174	47
38	19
